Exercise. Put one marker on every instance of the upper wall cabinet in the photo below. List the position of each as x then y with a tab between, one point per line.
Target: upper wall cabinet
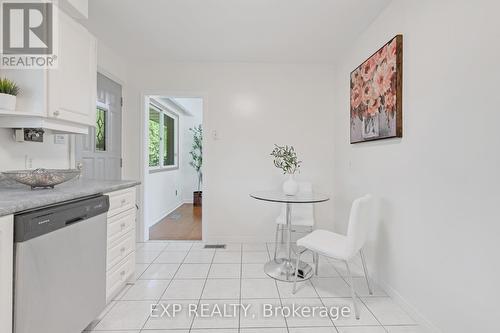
72	87
62	99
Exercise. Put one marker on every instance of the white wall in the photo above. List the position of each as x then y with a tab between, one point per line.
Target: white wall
17	155
189	177
251	106
437	243
162	195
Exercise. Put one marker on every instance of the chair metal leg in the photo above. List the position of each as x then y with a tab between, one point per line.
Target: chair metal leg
276	241
296	272
282	241
367	277
353	292
316	263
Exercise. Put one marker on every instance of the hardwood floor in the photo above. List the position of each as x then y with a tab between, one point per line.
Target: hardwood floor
184	223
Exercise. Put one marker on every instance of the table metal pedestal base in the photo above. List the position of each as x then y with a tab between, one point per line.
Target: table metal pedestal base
284	270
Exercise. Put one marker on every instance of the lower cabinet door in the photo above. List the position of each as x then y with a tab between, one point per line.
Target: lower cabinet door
6	272
120	249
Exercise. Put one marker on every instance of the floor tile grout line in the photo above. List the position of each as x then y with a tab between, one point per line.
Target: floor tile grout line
202	290
278	289
320	299
361	300
104	315
160	299
281	303
241	281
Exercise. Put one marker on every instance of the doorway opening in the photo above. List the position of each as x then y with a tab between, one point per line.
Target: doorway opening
173	178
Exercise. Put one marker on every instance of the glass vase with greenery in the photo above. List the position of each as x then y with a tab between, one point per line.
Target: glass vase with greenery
285	158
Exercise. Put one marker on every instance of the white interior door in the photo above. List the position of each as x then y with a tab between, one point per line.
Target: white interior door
99	152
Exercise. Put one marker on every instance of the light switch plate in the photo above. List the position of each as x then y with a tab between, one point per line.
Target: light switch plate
59	139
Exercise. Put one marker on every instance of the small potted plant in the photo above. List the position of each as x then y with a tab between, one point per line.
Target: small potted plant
8	93
285	158
197	161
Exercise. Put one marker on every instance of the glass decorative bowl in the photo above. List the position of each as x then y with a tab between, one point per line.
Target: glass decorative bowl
45	178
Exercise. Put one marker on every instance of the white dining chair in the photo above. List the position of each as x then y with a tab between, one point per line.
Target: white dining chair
302	215
337	246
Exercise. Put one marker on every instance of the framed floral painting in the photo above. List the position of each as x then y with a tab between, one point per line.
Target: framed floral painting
376	94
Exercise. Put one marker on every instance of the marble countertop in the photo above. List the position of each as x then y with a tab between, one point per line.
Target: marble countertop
15	197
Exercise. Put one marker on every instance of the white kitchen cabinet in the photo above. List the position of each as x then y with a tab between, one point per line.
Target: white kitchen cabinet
121	240
72	86
6	271
62	98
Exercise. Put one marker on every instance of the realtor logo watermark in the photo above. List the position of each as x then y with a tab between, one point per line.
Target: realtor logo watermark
29	38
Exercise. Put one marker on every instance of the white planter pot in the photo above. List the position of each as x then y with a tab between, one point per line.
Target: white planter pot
7	102
290	186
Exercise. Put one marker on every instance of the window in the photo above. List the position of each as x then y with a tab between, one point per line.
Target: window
163	138
100	130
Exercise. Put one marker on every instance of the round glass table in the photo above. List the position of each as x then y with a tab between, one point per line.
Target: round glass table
283	269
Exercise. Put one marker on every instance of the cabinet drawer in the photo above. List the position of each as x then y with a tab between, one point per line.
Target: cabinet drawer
120	249
121	201
117	277
120	224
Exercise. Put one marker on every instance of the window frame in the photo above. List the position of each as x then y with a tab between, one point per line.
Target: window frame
163	110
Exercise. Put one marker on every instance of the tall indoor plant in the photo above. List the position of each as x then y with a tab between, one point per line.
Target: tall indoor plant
8	93
285	158
197	161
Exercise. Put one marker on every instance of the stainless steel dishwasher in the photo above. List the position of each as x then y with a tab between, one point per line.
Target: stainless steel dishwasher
60	266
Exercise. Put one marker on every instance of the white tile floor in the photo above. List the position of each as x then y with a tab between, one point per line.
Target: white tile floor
183	273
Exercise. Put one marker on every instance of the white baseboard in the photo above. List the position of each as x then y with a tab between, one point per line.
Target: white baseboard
167	213
414	313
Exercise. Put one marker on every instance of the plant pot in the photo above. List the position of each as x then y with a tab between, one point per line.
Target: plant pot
290	186
7	102
197	198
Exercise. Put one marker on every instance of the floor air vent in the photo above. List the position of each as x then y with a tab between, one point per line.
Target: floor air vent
215	246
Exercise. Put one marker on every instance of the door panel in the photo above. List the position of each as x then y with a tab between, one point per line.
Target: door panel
103	164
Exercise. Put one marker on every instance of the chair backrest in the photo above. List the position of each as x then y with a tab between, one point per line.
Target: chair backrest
302	214
362	217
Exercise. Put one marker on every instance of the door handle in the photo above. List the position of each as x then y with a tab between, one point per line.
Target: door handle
75	220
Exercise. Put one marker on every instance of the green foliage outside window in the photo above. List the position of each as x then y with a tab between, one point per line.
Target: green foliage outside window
154	138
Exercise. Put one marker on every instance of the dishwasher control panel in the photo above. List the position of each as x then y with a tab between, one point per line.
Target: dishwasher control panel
41	221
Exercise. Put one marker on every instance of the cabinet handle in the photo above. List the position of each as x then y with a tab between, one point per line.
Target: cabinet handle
122	273
123	249
123	225
56	113
123	201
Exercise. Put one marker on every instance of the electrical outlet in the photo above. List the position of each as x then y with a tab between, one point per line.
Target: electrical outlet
176	192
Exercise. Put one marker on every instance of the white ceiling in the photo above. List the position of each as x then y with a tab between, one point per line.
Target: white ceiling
275	31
